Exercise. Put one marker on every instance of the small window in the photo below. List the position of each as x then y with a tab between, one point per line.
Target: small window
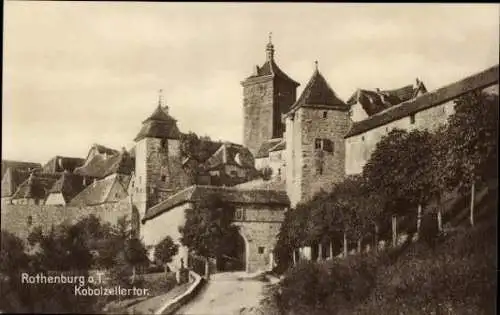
319	170
318	144
234	173
325	114
30	220
412	119
362	138
164	143
239	214
387	129
261	250
163	178
279	171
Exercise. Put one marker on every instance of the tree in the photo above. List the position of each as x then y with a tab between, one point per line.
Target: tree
165	250
400	171
64	247
135	255
209	229
12	254
472	133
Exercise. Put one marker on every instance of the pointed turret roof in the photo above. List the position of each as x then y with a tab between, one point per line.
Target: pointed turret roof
270	68
159	125
319	93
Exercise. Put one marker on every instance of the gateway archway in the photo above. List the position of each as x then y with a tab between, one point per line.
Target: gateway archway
234	258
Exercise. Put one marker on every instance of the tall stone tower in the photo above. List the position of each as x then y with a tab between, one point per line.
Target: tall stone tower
158	168
315	149
267	94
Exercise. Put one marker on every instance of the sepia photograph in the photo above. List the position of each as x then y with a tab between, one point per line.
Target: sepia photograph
232	158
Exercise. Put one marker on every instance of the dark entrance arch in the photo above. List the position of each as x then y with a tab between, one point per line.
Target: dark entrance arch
234	257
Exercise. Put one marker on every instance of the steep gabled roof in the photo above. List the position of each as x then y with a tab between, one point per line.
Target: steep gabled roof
196	193
266	146
100	192
442	95
230	154
69	185
61	163
319	93
99	166
159	125
376	101
36	186
11	180
6	164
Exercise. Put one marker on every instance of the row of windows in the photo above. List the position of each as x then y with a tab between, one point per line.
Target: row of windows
412	122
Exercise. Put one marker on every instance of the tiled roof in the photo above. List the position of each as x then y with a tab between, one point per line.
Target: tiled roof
99	166
230	154
99	192
376	101
69	185
61	163
11	180
36	186
318	92
265	146
271	68
279	147
104	150
231	195
159	125
447	93
6	164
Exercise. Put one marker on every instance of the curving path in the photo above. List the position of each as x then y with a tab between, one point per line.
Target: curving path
226	294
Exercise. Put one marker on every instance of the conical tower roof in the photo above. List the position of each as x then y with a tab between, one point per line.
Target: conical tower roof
318	92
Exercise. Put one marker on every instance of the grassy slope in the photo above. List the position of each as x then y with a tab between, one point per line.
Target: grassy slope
456	275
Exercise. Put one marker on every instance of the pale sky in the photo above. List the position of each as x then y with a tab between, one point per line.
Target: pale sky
78	73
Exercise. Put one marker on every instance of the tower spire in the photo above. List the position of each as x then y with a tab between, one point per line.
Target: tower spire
161	101
270	48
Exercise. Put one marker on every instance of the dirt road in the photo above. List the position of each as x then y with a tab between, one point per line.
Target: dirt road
227	294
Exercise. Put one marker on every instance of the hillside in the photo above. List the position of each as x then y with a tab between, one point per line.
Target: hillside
452	273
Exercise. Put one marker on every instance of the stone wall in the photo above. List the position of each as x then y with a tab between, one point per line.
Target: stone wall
360	147
258	100
285	94
166	224
159	172
260	239
16	218
265	100
259	227
312	169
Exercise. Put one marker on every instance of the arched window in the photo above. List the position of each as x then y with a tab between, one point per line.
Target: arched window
30	220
